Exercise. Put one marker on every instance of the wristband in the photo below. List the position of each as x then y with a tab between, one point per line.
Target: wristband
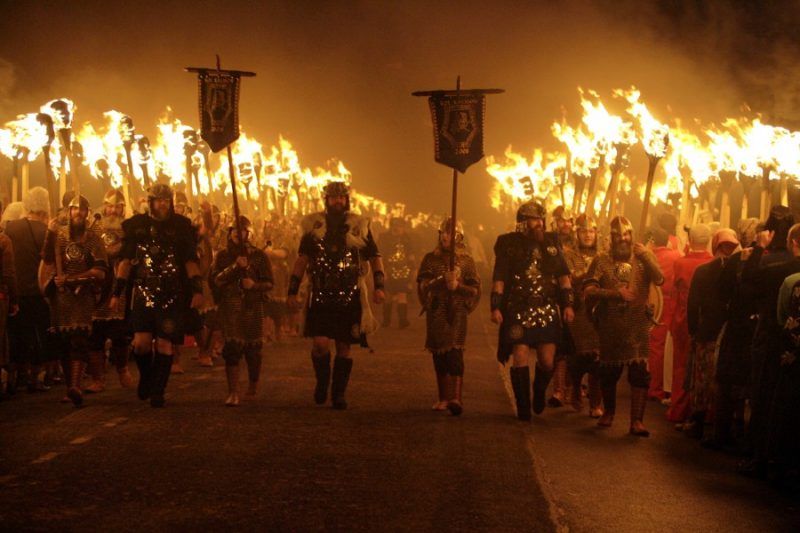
495	300
196	284
378	279
120	285
294	285
566	297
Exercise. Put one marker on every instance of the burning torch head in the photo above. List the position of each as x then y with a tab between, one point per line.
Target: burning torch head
63	113
47	123
337	196
247	229
159	198
189	141
444	232
127	130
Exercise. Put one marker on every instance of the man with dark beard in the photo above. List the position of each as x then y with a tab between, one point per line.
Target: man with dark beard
531	292
334	247
109	324
616	289
159	259
73	263
563	225
586	352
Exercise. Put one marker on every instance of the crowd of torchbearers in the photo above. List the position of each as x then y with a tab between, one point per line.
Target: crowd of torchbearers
576	303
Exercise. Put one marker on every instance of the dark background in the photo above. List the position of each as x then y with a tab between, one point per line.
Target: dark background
336	77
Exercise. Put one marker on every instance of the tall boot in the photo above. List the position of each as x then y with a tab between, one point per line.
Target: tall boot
253	358
402	315
540	382
119	354
559	384
609	393
97	369
145	363
638	404
162	367
232	373
595	396
322	369
521	383
440	366
341	376
74	391
454	405
387	313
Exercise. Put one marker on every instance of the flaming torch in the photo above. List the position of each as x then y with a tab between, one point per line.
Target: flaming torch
47	124
189	149
127	132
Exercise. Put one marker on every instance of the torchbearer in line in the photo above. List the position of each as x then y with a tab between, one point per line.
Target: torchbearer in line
446	334
531	295
241	275
334	248
617	288
158	261
74	262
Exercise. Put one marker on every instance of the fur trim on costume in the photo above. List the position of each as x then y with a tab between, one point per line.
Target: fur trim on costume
357	228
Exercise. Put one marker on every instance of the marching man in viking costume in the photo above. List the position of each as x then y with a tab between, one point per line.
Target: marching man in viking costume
531	293
586	345
73	264
109	324
399	259
159	260
448	297
616	289
334	248
241	275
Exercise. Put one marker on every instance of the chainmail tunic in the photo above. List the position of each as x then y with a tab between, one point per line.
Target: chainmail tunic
445	332
623	327
109	229
241	311
71	308
584	334
397	256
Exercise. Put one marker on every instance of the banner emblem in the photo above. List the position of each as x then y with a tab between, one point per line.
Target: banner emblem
219	108
458	129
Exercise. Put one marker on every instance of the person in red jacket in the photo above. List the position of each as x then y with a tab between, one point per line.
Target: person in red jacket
699	238
666	257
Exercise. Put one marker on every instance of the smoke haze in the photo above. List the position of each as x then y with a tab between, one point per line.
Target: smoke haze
335	77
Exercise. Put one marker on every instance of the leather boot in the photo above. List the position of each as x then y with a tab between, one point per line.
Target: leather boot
341	376
253	359
387	314
540	382
559	384
402	315
322	369
609	393
232	373
595	397
521	383
162	367
441	385
119	354
74	391
145	363
638	404
454	404
97	370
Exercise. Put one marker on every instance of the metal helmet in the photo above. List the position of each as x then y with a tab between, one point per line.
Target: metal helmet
159	191
336	188
446	226
247	225
180	198
78	201
531	209
620	225
114	197
585	221
562	213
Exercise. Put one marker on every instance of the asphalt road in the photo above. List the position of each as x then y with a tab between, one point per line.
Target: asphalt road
388	463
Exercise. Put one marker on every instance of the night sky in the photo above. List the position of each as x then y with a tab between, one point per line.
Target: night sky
336	77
